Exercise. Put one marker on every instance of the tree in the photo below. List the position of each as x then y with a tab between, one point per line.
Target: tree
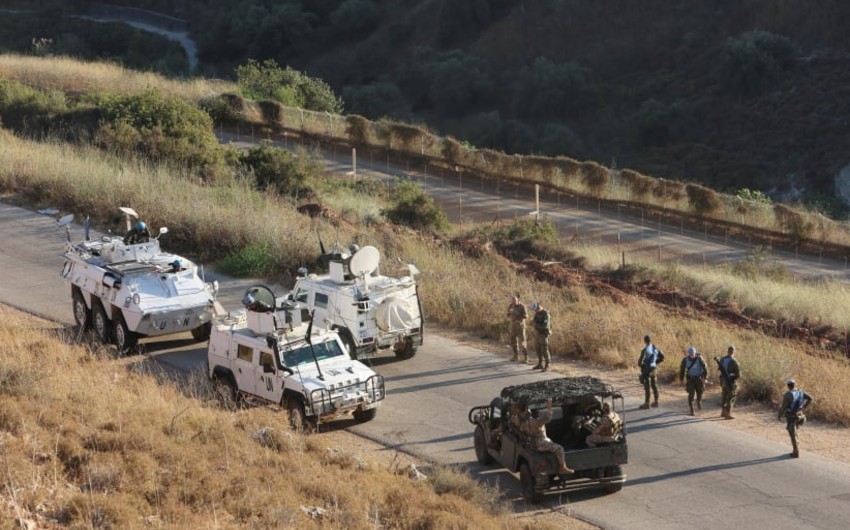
551	90
756	60
356	17
267	80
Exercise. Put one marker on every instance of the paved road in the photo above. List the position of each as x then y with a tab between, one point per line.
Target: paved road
684	473
466	199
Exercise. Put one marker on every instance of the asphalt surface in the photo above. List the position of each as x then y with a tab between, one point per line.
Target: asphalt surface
684	472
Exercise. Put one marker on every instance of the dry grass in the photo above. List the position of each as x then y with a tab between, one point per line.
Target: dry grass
76	76
461	292
92	442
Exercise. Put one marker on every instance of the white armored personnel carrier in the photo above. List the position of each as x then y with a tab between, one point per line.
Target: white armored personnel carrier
371	311
127	287
267	352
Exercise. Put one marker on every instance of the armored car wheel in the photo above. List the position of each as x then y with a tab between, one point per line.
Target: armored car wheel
100	323
82	314
528	484
408	350
124	339
362	416
202	332
481	452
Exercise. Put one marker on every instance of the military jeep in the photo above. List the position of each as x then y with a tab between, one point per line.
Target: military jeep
576	410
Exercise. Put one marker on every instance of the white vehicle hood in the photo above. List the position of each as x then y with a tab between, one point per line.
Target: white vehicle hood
339	373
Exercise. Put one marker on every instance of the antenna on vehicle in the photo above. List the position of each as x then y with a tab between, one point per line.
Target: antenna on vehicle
66	221
87	227
309	339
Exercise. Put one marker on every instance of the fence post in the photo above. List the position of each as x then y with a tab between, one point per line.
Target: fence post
659	253
624	259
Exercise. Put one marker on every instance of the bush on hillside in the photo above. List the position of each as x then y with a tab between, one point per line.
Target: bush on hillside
595	177
639	185
792	222
413	207
280	170
703	200
547	90
356	17
376	100
755	61
160	128
20	104
267	80
358	129
451	81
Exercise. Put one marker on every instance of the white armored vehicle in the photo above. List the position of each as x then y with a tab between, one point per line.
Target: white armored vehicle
127	287
371	311
267	352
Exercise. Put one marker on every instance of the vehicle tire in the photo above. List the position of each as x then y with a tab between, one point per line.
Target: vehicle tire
408	350
202	332
362	416
481	452
226	391
100	323
123	338
613	471
526	479
297	414
82	314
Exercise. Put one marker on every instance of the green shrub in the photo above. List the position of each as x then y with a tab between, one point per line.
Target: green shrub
413	207
254	260
756	61
160	128
595	177
279	169
267	80
792	222
754	196
223	109
20	104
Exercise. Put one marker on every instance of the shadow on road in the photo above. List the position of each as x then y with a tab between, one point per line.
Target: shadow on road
704	469
673	419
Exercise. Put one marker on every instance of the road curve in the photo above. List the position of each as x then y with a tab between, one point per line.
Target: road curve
685	472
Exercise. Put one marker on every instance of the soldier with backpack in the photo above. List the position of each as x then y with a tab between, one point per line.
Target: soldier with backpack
648	360
730	372
794	402
693	367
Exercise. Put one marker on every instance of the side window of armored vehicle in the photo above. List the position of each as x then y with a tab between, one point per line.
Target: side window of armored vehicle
267	361
301	295
322	300
245	353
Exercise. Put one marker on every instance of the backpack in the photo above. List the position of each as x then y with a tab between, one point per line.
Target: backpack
659	356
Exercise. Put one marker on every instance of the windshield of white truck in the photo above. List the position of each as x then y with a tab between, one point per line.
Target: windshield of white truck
302	355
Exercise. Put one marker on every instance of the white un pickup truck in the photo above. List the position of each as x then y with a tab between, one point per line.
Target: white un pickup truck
268	352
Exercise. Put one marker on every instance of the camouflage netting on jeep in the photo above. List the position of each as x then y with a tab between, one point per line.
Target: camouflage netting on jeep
558	390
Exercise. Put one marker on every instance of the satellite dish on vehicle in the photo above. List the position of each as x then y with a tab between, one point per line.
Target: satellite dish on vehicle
126	210
65	220
364	261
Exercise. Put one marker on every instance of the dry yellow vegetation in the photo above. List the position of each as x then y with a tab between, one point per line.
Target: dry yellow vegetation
90	441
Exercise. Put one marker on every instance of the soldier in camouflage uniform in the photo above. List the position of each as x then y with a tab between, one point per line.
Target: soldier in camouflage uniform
794	402
516	319
730	372
693	367
609	427
542	328
536	430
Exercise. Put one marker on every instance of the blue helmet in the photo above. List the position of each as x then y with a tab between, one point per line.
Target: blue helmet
176	264
141	225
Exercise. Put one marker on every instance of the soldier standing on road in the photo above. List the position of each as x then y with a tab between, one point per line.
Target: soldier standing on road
536	430
693	367
794	402
730	372
516	318
609	427
543	328
648	361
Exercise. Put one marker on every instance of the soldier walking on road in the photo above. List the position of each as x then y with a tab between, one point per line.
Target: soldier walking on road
516	319
730	372
693	367
543	328
794	402
648	360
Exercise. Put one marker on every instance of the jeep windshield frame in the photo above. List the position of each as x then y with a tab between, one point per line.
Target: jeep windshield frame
329	349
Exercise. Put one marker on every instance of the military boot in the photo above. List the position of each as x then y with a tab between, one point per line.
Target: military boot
691	406
538	366
515	357
645	406
525	359
655	403
545	367
699	404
